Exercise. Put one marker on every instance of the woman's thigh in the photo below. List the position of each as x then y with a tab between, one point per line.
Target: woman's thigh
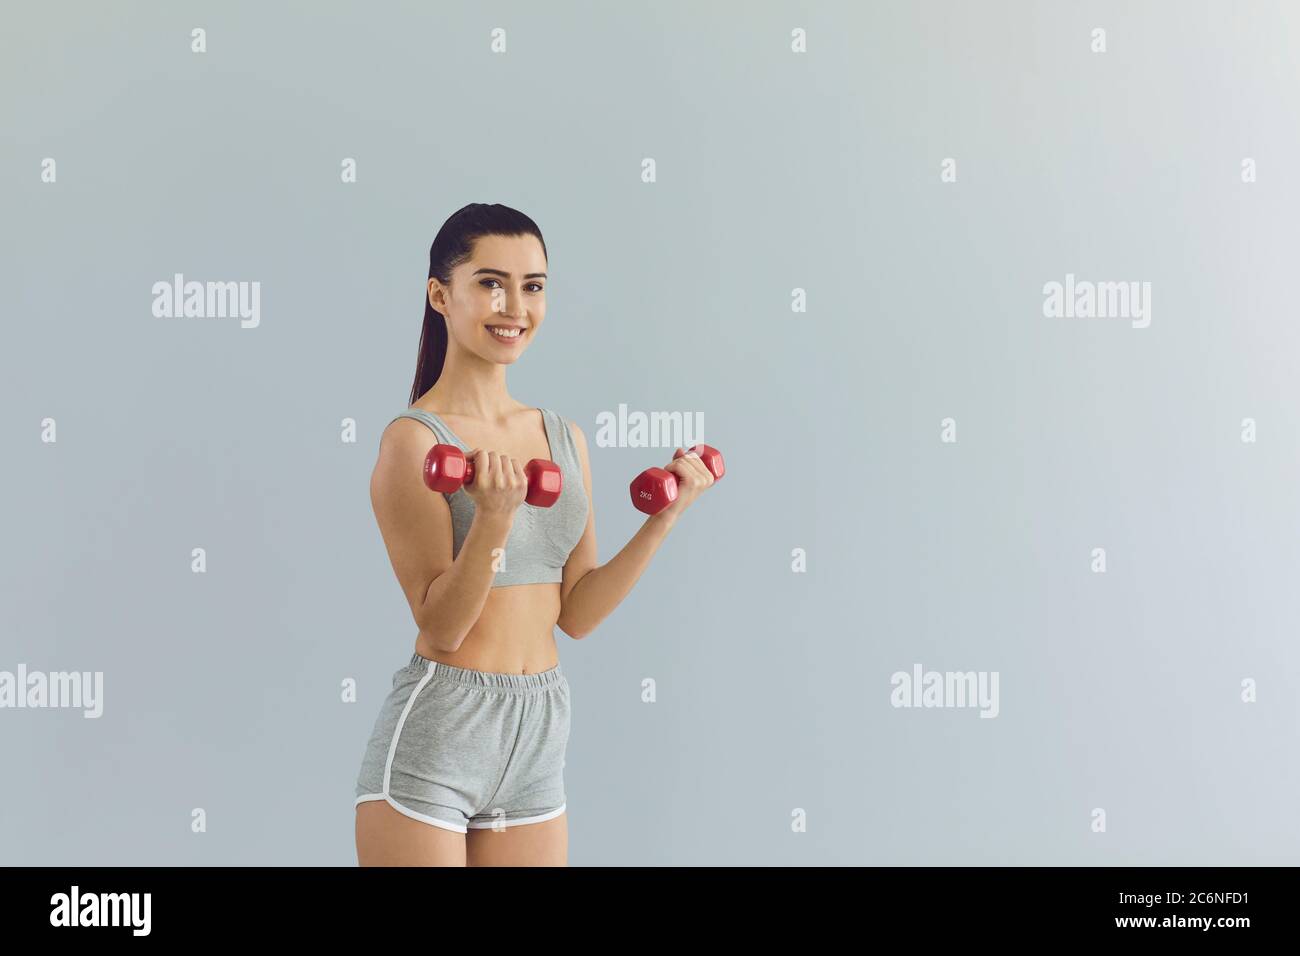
527	844
388	838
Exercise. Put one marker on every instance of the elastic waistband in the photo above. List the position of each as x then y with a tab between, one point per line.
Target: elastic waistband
487	679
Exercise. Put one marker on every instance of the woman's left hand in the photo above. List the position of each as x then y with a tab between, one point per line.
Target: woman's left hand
692	479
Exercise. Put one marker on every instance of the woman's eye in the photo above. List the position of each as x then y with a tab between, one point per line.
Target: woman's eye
535	286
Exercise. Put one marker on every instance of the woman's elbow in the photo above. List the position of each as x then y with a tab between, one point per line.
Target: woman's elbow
577	633
444	639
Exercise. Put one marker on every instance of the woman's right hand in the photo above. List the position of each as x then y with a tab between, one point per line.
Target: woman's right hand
499	484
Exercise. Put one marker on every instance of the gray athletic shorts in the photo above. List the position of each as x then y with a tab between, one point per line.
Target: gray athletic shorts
461	748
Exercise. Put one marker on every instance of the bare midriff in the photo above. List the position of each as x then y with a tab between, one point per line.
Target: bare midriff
515	634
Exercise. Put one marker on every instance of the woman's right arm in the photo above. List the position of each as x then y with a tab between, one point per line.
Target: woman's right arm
445	596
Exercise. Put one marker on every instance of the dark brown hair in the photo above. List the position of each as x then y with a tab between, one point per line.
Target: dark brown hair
453	245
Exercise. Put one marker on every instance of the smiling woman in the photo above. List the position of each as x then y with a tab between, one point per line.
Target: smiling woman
491	234
465	763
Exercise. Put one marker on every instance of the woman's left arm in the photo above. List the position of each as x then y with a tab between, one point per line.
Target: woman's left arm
589	593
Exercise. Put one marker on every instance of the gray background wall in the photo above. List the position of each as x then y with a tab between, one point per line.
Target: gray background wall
776	171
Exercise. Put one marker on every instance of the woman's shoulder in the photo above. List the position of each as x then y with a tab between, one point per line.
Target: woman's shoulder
577	441
563	419
411	424
578	436
405	439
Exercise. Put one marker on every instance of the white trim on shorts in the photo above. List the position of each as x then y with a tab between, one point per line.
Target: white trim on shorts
409	812
388	764
548	815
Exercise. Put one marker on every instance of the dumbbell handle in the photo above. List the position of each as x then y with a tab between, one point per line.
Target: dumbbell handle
447	468
530	470
469	471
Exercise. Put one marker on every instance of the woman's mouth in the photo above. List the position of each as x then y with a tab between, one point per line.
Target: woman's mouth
506	333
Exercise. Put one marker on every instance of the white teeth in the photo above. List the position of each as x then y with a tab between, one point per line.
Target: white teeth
505	333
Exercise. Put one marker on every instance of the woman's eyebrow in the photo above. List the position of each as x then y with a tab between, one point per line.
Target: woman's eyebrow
506	275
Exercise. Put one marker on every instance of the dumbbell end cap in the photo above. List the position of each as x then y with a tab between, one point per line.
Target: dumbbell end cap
445	468
653	490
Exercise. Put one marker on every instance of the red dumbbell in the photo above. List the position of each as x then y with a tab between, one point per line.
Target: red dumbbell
446	468
655	488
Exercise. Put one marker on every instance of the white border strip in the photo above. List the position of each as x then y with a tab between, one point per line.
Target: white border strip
397	731
548	815
410	813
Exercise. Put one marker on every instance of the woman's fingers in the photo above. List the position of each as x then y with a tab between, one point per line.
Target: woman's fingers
690	470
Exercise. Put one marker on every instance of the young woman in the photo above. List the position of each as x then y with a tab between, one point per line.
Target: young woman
465	763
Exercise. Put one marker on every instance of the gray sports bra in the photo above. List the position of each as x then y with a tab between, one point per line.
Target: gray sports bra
540	539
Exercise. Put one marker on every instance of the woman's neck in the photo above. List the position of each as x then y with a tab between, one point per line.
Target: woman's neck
470	387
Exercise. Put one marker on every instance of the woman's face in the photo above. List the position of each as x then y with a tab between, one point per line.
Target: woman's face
497	298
